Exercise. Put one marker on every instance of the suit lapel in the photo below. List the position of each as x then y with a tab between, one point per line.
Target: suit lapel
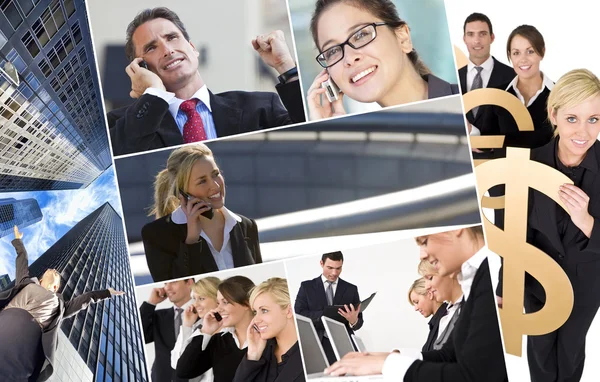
169	329
239	250
495	78
227	117
320	292
169	132
462	76
339	292
293	369
206	259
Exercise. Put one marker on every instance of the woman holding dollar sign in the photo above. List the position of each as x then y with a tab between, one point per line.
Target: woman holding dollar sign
571	237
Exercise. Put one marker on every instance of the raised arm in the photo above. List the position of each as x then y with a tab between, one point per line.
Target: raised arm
22	260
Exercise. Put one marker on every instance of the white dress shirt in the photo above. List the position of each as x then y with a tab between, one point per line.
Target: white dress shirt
223	258
326	284
183	340
546	83
444	321
397	364
486	73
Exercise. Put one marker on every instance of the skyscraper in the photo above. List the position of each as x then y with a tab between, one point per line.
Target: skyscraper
52	128
4	281
92	256
22	213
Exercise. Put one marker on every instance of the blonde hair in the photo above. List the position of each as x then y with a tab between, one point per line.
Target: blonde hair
55	274
176	176
573	88
425	268
277	287
476	232
418	286
207	287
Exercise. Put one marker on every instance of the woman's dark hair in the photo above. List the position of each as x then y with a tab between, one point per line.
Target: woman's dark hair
532	35
237	289
384	10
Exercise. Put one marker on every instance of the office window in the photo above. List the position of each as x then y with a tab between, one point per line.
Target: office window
12	14
69	7
30	44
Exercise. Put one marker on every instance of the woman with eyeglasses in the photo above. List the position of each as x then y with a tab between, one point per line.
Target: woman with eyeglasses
366	49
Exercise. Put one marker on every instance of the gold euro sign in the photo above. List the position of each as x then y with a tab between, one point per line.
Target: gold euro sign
519	173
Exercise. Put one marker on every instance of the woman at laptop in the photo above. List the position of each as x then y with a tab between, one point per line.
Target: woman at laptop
273	352
474	353
222	344
445	290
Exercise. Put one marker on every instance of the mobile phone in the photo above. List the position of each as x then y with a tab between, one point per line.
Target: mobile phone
207	214
256	328
218	316
332	91
144	65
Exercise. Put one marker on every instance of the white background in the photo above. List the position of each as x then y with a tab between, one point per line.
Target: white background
570	31
256	273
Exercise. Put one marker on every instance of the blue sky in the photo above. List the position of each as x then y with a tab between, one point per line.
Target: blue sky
61	211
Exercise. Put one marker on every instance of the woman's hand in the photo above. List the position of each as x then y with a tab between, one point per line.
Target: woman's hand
315	93
192	209
577	202
210	325
256	345
358	364
189	316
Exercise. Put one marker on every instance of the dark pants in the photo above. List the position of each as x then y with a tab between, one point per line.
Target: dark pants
559	356
21	351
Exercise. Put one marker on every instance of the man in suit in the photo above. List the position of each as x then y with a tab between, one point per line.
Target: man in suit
31	313
173	105
482	71
328	289
162	326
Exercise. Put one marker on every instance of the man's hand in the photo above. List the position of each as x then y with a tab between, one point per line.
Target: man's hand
18	235
115	292
349	313
157	296
142	79
274	51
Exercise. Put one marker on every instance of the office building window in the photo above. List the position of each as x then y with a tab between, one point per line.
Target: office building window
11	12
30	44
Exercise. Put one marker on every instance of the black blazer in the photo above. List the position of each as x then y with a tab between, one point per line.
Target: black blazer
147	124
66	309
474	351
265	369
159	327
577	254
434	326
436	87
499	79
169	257
311	301
221	354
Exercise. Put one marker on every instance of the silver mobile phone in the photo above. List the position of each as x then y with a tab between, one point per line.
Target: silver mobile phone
332	91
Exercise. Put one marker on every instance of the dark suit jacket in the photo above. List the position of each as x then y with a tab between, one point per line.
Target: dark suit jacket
436	87
577	254
147	124
474	351
434	326
169	257
66	309
500	78
265	369
159	327
311	301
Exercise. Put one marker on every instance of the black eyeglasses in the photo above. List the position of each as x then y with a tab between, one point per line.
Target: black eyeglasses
357	40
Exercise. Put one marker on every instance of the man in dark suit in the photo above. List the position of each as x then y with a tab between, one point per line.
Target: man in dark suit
328	289
173	104
30	316
483	71
162	326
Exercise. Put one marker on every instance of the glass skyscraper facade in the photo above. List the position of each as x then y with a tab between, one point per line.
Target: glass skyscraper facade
22	213
53	133
93	256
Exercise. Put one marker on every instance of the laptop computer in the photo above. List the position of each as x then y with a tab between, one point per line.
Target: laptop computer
315	361
359	344
338	337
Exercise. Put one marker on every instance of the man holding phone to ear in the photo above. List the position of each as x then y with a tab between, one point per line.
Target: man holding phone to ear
162	326
173	104
326	290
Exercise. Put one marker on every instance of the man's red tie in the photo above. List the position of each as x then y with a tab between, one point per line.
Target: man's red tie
193	130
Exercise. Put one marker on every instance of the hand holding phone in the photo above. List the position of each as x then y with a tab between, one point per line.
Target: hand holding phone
218	316
320	107
331	90
142	79
207	214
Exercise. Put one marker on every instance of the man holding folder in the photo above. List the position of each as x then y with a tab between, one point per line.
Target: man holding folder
326	290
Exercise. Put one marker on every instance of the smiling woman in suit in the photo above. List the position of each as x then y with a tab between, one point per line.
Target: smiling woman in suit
273	352
379	63
474	351
194	233
573	239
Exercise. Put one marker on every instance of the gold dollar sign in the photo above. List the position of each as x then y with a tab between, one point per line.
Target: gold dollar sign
519	173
